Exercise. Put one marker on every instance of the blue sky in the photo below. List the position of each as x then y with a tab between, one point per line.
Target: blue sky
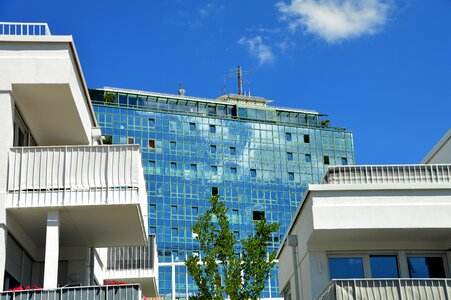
380	68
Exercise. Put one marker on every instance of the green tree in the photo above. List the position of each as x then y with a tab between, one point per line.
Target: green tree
243	271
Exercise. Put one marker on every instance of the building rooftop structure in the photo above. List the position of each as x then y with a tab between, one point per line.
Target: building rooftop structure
374	231
65	199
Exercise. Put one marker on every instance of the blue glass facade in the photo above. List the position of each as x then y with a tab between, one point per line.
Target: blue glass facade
260	159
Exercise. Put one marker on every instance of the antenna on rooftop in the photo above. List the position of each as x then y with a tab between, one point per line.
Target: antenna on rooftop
238	73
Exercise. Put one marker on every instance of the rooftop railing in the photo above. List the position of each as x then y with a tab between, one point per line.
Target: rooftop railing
106	292
387	174
75	175
387	289
14	28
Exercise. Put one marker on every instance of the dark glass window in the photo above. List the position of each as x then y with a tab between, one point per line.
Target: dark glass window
151	144
213	149
384	266
212	128
211	110
173	165
193	167
326	159
192	126
253	173
195	211
258	215
306	138
130	140
290	155
214	190
308	158
288	136
426	267
151	122
174	209
232	151
173	145
107	139
290	175
233	170
345	267
214	169
344	161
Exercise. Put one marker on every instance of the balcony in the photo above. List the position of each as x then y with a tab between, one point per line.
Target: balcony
134	265
387	289
99	192
110	292
388	174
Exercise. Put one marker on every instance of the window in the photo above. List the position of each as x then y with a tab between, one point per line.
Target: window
308	158
194	211
212	149
290	175
290	155
130	140
253	173
214	169
192	126
107	139
326	159
288	136
344	161
214	190
306	138
174	209
426	267
173	145
236	234
173	166
193	167
384	266
258	215
233	170
212	129
151	144
211	110
152	208
151	122
174	232
346	267
232	150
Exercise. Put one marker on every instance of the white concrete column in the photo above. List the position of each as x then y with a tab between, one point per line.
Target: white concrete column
51	250
3	237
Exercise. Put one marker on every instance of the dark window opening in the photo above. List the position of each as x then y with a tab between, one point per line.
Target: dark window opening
326	160
253	173
151	144
290	175
107	139
308	158
151	122
131	140
192	126
344	161
306	138
212	128
258	215
232	151
214	191
290	155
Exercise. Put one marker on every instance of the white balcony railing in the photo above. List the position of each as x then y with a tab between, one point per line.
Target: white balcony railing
382	174
76	175
387	289
14	28
132	262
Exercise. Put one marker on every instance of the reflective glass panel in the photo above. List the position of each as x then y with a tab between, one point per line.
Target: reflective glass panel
384	266
426	267
345	267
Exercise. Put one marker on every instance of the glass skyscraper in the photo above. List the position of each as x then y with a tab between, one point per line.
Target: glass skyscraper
259	158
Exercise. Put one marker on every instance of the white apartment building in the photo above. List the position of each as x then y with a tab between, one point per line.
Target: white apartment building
73	213
373	232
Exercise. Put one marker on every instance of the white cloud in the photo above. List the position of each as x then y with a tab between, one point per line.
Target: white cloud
209	8
335	20
258	48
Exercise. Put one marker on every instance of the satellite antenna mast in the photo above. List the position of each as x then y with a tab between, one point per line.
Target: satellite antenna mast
239	73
